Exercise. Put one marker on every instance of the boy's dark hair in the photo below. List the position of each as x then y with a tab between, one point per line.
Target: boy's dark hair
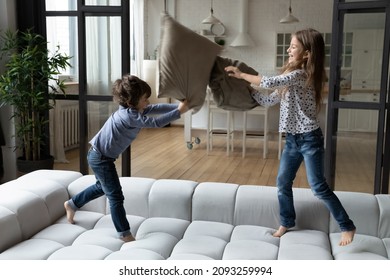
128	90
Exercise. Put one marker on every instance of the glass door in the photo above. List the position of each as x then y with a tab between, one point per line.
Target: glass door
96	33
356	143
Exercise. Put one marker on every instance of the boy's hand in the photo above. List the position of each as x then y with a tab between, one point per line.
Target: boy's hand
183	107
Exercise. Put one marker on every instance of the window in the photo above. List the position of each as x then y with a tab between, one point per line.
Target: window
283	42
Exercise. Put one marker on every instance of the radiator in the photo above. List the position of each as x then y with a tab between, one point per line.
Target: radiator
70	128
64	128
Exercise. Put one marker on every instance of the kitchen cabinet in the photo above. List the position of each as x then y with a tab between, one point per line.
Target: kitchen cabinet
367	58
358	120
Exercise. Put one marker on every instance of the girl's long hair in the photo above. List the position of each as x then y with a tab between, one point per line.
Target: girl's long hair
314	66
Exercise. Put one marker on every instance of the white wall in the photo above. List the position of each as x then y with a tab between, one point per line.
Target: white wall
263	25
7	21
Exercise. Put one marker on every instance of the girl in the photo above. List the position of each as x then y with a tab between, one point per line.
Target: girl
119	131
299	89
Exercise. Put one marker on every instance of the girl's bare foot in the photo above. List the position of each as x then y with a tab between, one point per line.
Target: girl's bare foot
69	212
282	230
347	237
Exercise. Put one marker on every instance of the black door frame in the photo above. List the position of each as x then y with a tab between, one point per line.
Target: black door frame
340	8
82	12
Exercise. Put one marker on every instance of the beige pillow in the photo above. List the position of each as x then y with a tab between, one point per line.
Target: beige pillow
185	62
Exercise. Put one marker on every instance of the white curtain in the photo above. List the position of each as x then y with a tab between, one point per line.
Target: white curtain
103	51
104	60
136	36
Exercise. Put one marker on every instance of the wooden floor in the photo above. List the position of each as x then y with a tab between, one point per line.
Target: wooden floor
162	153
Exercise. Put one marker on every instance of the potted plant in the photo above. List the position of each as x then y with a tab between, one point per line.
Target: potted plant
29	84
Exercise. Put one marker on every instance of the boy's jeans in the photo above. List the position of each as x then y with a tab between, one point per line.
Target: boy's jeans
107	182
310	148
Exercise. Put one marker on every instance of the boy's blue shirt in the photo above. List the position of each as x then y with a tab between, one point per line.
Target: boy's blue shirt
123	126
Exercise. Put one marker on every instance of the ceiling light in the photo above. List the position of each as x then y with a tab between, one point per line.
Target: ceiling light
289	18
211	19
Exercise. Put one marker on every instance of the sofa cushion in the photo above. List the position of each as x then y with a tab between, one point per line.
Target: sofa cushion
185	62
386	242
384	215
171	199
363	247
214	202
134	221
363	210
81	252
252	242
53	193
208	246
174	227
64	234
135	254
103	237
10	231
205	228
250	250
80	184
136	191
184	256
249	211
159	242
304	245
258	233
85	219
311	212
27	206
63	177
204	238
31	249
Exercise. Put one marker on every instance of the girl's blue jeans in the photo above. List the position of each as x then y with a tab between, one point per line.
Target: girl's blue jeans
310	148
107	182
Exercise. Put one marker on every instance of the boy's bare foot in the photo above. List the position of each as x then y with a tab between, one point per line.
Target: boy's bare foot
128	238
69	212
281	230
347	237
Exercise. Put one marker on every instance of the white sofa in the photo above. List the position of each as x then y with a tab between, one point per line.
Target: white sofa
179	219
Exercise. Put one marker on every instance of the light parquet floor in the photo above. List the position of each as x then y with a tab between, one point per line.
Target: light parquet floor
162	153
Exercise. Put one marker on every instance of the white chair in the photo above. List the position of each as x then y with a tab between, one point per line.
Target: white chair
212	109
259	111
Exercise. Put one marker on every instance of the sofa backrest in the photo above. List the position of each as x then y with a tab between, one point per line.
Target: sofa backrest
363	210
384	216
136	192
214	202
171	199
98	205
31	203
144	197
258	205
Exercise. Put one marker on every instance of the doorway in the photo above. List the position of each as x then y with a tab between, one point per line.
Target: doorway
358	100
96	33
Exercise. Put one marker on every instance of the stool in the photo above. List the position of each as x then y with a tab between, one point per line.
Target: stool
211	110
262	111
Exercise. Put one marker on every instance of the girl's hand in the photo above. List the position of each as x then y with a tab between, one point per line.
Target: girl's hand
233	72
236	73
183	107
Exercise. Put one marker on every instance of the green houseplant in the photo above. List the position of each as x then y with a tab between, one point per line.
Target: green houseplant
29	84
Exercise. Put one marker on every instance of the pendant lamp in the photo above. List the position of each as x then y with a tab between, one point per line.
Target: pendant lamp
289	18
211	19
